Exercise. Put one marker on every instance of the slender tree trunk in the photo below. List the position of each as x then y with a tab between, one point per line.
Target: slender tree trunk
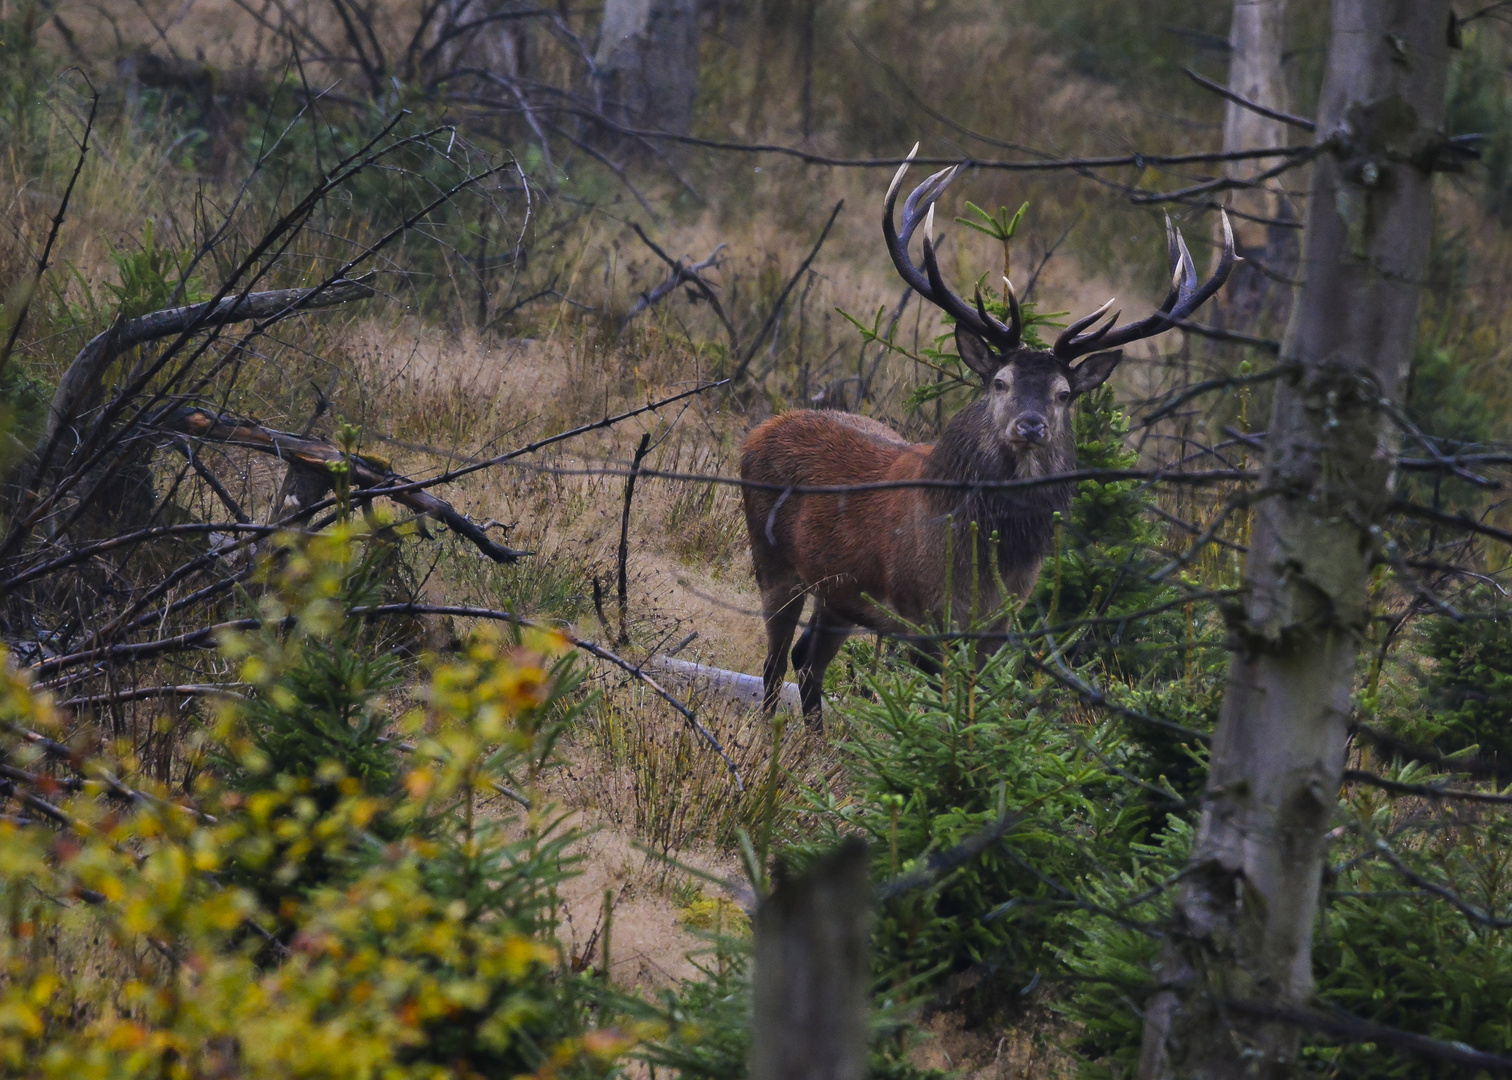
1256	39
1256	43
1243	925
647	63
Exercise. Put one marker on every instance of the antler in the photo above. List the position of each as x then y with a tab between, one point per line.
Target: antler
1184	298
919	207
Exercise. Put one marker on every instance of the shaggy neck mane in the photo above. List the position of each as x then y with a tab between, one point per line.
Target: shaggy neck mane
1023	518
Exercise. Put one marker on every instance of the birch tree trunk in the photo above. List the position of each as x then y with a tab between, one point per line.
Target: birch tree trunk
1257	40
646	67
1243	924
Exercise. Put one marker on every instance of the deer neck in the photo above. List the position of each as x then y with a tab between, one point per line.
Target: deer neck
1023	518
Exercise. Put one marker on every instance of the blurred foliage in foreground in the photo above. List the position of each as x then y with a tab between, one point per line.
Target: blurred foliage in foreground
306	920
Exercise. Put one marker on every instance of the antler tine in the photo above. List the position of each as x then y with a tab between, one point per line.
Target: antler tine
897	243
1184	280
1015	313
1184	298
1194	299
1072	342
927	192
918	209
1070	333
892	189
983	324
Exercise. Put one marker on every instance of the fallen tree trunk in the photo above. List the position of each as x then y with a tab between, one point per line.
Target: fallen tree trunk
732	685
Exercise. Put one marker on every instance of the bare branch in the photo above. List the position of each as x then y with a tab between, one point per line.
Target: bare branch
1428	791
1253	106
1449	896
771	318
1344	1028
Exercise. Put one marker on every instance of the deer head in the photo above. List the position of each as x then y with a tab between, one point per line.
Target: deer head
1029	391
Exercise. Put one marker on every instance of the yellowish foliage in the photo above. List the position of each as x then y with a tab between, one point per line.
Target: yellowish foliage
428	955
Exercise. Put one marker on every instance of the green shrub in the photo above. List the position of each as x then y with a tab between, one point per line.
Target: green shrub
1109	956
1384	951
929	764
1400	956
1462	696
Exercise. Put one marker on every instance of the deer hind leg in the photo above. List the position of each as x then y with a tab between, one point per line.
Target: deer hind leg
781	605
821	641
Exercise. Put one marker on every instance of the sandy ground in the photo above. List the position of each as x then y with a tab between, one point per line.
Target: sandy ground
651	940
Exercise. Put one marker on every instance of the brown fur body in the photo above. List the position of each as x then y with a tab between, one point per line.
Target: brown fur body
877	559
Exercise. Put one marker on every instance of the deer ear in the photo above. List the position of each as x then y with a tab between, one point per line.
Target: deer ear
979	358
1094	371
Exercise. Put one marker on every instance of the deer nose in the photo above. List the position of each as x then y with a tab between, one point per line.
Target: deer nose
1030	428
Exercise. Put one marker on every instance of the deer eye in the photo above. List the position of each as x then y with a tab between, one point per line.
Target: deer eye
999	384
1064	395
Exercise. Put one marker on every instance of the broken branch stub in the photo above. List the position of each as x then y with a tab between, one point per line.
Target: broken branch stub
809	991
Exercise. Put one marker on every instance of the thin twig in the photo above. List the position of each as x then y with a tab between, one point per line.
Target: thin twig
622	576
591	648
771	318
1342	1027
44	259
1253	106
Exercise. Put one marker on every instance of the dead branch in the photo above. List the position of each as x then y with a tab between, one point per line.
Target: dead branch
83	375
1253	106
1341	1027
1230	183
622	582
147	693
203	638
1449	896
94	771
319	456
1048	164
530	448
680	274
158	532
750	353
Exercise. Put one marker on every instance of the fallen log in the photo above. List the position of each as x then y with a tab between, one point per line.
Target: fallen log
732	685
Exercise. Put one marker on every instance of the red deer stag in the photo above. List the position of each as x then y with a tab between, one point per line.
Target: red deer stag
876	558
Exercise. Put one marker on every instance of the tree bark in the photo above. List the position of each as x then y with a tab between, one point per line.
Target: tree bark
646	66
1242	929
1257	41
